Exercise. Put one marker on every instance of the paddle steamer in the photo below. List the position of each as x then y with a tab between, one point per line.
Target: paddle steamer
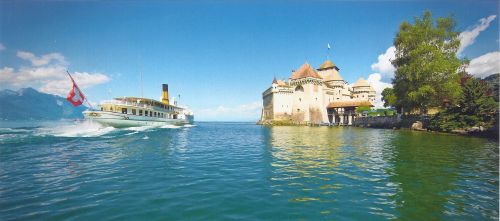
134	111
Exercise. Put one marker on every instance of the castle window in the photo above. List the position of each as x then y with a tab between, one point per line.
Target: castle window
298	110
300	99
133	111
299	88
140	112
124	110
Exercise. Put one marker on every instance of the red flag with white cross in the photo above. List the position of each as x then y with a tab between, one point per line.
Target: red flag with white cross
75	96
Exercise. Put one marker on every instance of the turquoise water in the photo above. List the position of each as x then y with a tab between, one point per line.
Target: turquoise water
238	171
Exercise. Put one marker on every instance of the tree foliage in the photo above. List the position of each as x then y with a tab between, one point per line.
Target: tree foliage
361	109
389	98
426	64
475	107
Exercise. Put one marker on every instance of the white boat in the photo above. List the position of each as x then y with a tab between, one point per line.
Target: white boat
134	111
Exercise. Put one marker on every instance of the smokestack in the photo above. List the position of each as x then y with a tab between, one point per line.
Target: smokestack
164	95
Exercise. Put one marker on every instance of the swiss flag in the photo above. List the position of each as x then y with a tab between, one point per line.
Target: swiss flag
75	96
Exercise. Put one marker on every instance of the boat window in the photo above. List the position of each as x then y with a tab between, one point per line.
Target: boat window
133	111
124	110
140	112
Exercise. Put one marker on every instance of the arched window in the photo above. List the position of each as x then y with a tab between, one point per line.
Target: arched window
299	88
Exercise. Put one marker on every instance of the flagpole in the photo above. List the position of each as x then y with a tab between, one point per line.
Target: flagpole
76	85
328	52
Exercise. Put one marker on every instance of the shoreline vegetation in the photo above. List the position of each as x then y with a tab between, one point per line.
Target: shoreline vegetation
431	88
411	122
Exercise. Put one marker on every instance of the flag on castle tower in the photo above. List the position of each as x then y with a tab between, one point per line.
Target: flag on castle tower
328	45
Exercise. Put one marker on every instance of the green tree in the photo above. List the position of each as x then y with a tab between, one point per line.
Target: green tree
476	102
361	109
475	107
389	98
426	63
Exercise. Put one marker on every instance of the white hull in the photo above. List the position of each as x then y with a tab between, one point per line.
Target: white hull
126	120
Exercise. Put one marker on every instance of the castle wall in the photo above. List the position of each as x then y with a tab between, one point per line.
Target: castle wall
304	99
268	107
308	104
282	105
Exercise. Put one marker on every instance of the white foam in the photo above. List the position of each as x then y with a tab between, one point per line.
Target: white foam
131	133
189	125
139	129
145	137
171	126
77	129
12	130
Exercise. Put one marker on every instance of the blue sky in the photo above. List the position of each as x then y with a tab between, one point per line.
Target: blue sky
219	55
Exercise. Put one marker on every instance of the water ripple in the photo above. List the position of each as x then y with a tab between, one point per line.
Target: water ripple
219	171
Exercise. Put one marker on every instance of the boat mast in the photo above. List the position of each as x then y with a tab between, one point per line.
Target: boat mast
142	88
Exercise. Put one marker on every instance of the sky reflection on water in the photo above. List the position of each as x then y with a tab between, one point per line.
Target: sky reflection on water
219	171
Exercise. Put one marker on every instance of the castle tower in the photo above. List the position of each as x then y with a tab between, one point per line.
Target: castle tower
307	105
362	90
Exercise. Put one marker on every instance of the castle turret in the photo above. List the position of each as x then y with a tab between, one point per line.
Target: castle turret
362	90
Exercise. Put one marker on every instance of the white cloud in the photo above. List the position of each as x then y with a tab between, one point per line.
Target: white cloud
47	73
42	60
2	47
485	65
384	65
468	37
62	86
383	73
376	82
243	112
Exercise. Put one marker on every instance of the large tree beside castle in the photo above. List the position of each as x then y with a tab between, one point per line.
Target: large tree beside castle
427	68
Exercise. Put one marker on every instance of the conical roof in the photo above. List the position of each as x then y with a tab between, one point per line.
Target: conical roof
327	65
361	83
305	71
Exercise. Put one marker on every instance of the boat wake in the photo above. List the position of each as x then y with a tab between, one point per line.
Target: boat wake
78	129
170	126
140	129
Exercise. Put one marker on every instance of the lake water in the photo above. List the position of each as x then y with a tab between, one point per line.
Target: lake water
242	171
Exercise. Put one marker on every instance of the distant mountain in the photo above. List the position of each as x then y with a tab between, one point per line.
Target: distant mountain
29	104
493	83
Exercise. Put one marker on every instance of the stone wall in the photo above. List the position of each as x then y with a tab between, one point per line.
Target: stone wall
397	121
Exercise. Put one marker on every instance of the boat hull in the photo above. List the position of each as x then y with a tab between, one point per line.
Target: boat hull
118	120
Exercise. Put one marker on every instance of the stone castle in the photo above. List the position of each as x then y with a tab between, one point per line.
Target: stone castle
318	96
